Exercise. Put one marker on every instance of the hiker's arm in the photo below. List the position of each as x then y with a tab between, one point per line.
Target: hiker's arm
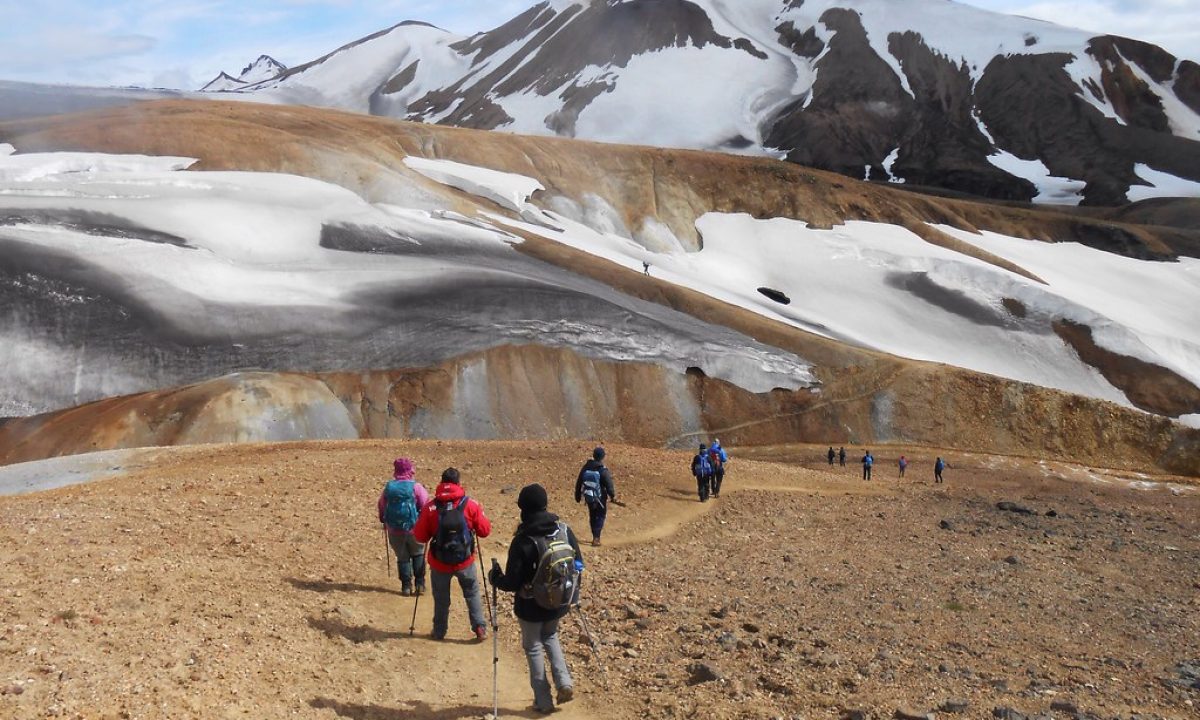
422	496
382	505
579	485
517	568
606	479
423	530
481	524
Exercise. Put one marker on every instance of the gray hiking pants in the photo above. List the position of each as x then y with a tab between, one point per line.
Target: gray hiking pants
410	558
441	598
540	642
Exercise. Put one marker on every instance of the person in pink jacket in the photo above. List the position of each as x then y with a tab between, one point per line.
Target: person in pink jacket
451	524
400	505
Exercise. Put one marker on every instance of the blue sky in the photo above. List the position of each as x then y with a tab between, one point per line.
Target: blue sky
185	43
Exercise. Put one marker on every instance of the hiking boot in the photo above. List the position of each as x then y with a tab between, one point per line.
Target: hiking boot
435	635
406	590
566	695
420	589
480	633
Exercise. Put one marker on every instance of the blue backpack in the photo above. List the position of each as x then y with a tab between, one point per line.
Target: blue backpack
701	465
401	512
591	486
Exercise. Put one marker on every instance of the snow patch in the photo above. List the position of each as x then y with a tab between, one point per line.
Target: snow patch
508	190
1160	184
1051	189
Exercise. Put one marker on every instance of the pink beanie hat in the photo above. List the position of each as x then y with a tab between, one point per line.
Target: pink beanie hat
403	469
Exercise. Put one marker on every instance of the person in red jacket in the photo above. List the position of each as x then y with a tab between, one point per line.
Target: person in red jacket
451	524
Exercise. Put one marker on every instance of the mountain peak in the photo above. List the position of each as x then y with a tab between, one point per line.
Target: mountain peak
264	68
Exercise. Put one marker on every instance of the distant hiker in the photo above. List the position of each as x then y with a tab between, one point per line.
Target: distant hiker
645	267
938	467
831	454
400	504
543	569
867	461
595	486
450	525
703	470
842	456
717	458
903	464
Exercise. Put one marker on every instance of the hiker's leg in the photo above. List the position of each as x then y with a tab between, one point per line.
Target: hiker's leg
531	643
554	653
702	487
441	602
597	513
718	478
416	560
399	545
468	580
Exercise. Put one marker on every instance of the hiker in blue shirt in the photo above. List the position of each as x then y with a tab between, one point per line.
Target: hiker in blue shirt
867	462
702	469
717	458
938	467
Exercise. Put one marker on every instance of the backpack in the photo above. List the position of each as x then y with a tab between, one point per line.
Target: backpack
401	512
591	487
702	466
556	579
453	543
714	458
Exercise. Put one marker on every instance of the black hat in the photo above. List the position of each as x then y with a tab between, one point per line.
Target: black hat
598	453
450	475
703	446
532	498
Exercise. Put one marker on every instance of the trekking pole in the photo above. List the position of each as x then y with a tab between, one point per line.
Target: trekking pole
387	549
582	618
412	629
495	626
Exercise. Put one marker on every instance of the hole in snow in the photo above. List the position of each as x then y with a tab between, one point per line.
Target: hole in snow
694	371
775	295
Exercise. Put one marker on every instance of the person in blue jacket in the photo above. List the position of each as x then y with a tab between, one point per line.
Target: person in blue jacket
867	461
717	457
938	467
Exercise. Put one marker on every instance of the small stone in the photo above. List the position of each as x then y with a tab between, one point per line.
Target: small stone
13	690
946	525
702	673
1064	706
954	705
1012	560
1007	713
508	489
631	653
910	714
750	627
727	641
1014	507
855	715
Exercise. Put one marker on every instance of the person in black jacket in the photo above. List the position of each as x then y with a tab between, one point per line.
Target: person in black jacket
539	625
595	485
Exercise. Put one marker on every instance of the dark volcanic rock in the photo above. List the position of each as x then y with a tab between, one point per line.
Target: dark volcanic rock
1013	507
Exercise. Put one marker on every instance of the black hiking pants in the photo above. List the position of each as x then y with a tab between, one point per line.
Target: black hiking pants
597	514
717	478
703	485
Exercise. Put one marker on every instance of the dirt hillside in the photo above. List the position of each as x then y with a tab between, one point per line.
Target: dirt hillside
251	581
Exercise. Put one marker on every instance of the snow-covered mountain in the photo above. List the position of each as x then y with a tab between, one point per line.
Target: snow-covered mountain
925	92
263	68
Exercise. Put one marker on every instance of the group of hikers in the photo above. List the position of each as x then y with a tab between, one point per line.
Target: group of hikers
544	565
868	462
543	568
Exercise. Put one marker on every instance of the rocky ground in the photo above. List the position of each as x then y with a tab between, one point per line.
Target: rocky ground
251	582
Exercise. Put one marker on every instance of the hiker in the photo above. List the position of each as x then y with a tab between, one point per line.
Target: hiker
400	504
867	461
842	456
703	470
831	455
938	467
595	485
717	458
450	525
543	568
903	465
645	267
